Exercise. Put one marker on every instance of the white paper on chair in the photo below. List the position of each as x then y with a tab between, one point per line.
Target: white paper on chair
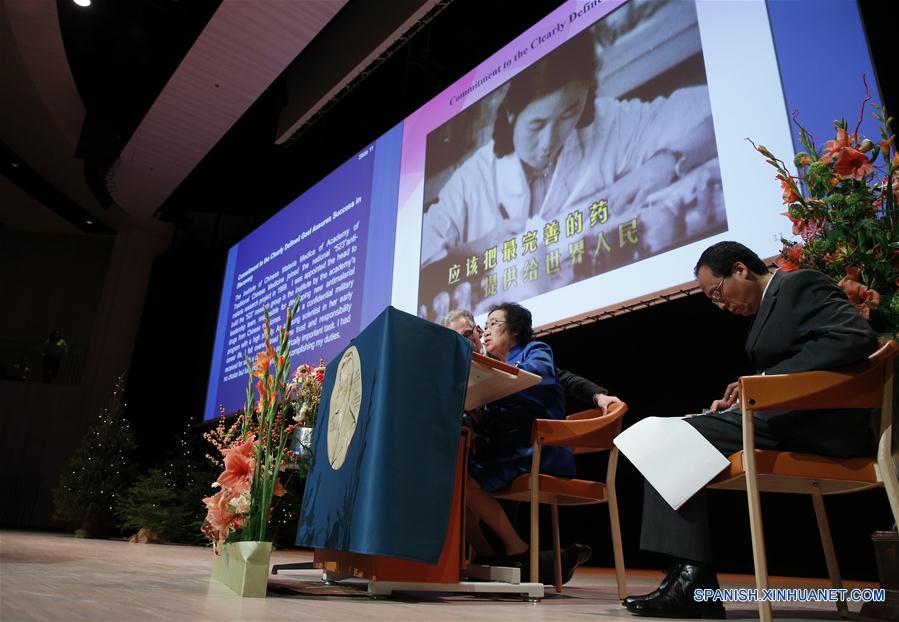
676	459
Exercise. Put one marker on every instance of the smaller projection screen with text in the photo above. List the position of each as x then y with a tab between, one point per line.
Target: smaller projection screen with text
331	248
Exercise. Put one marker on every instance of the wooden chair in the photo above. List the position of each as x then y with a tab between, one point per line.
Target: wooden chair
587	431
868	386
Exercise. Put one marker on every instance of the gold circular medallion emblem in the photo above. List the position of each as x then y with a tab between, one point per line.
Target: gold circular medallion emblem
343	411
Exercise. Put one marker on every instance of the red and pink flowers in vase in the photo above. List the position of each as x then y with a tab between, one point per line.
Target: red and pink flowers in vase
305	393
255	449
843	207
304	396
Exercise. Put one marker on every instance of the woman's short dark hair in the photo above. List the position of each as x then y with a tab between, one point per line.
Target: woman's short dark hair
573	61
518	321
721	257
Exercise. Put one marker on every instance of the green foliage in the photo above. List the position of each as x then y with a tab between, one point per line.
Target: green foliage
166	498
191	476
98	471
154	502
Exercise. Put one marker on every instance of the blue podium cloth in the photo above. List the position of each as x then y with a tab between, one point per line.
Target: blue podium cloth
392	495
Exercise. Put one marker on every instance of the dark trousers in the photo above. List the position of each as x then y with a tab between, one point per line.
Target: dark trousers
684	533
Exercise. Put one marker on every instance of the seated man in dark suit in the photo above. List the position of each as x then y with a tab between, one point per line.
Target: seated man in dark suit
803	322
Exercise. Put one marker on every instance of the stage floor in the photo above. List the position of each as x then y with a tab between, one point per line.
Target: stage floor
57	577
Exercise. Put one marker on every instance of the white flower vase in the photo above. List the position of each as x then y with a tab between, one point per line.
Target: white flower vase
219	567
247	565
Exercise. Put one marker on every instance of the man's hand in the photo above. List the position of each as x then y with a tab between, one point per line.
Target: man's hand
731	395
604	401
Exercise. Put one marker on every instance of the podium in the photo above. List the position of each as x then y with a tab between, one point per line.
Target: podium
385	498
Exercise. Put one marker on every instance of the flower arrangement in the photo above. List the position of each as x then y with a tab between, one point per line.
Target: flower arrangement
255	448
843	206
305	393
304	396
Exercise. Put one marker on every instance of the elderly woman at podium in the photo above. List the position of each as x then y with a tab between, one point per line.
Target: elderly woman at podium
506	425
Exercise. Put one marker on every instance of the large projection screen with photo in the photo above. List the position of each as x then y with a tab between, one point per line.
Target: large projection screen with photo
590	161
585	164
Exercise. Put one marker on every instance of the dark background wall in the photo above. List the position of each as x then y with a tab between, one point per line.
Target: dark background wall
47	281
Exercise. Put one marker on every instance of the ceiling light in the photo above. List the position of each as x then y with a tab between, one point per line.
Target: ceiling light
89	222
82	2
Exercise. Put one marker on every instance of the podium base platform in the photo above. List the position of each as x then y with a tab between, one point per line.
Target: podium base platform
296	566
503	574
529	591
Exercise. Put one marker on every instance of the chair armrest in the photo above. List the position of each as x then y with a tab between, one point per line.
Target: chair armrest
594	433
813	390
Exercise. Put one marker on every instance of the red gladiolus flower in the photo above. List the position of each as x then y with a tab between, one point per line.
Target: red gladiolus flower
260	365
864	298
833	147
790	194
853	164
785	264
239	466
219	516
797	223
790	258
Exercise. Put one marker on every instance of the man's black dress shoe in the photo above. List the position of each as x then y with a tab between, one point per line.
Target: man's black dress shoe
670	575
676	599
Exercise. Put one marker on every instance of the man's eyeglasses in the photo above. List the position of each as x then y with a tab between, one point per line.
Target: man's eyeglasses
495	323
468	333
715	294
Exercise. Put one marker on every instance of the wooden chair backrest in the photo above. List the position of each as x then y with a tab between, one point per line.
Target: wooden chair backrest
861	386
585	431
